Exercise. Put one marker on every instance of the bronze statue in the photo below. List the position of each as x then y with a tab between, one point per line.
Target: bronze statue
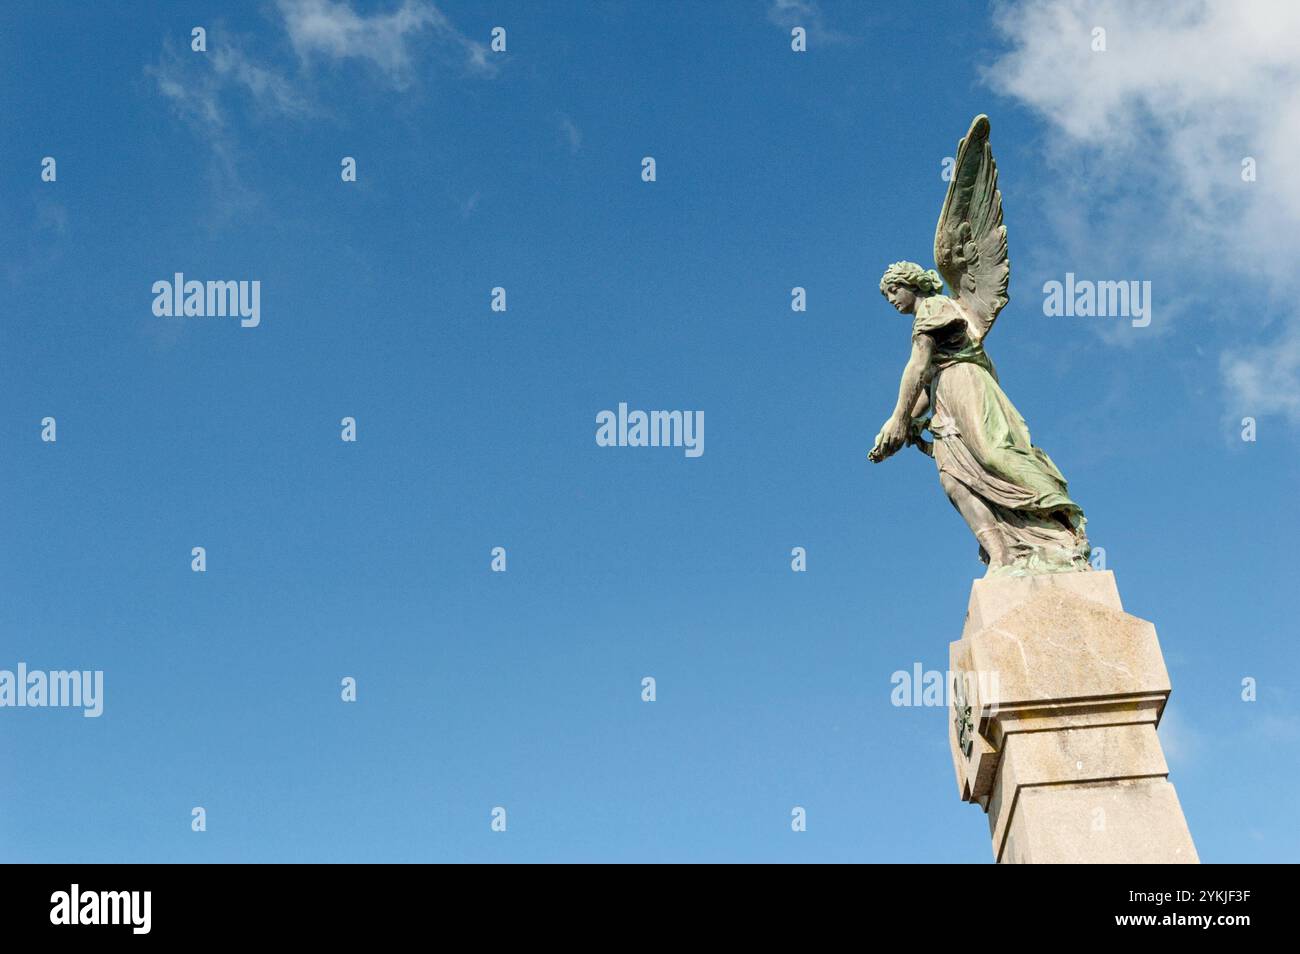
1007	490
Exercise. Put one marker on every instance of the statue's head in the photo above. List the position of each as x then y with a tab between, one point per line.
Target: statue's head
905	283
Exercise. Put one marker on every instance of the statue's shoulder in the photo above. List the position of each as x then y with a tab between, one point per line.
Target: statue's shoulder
934	313
934	305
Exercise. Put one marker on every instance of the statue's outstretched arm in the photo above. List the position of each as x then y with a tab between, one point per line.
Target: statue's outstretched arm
893	434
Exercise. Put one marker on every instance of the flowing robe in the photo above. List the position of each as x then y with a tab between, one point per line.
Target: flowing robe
982	442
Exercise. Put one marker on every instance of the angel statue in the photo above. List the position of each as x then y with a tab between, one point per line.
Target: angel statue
1007	490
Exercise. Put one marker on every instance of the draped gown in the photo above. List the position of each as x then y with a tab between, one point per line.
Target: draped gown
983	443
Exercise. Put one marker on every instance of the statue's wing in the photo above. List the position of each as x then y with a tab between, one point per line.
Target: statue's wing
970	242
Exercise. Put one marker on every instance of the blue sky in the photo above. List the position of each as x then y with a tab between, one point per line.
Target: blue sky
476	429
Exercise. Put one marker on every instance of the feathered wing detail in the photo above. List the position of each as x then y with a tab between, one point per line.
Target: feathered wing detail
970	242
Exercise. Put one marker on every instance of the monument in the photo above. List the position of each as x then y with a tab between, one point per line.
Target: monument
1057	691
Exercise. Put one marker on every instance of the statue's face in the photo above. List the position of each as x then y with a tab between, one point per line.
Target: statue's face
902	297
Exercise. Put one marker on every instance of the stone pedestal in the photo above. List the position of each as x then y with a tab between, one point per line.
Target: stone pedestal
1056	696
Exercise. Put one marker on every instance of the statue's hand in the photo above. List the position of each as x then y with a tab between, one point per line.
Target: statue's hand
891	437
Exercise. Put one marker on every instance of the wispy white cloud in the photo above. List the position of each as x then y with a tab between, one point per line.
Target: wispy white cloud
789	14
1156	127
211	90
206	89
331	29
1266	377
38	239
571	133
1180	742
